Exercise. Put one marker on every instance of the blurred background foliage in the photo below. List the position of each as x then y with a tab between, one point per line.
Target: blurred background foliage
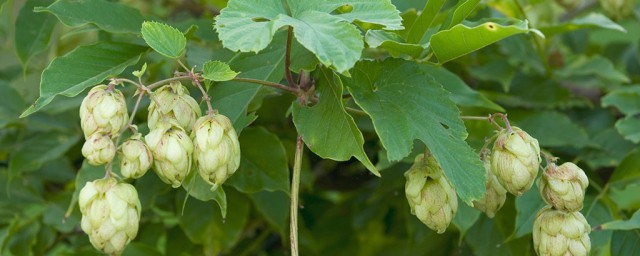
576	91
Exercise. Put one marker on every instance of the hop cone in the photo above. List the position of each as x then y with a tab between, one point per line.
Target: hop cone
515	160
430	196
563	186
556	232
175	103
99	149
103	110
110	214
618	9
136	157
495	194
216	149
171	149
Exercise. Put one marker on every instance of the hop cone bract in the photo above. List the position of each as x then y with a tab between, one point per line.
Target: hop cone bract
110	214
430	196
174	103
136	157
171	149
495	194
216	149
563	186
99	149
557	232
515	160
103	110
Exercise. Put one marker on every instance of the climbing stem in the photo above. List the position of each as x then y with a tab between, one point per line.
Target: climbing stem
295	185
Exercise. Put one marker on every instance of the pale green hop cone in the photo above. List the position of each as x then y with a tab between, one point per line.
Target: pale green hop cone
431	198
495	195
216	149
175	103
103	110
560	233
515	160
618	9
563	186
171	149
98	149
136	157
110	214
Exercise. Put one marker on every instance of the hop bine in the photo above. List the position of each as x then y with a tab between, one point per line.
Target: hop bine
216	149
563	187
103	110
174	102
495	195
430	196
557	232
136	157
171	149
99	149
110	214
515	160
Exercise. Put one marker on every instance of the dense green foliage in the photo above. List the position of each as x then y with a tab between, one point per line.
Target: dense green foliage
377	81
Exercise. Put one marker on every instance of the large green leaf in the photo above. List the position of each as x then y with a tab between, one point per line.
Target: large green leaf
40	148
274	207
625	243
629	127
527	206
263	163
594	66
424	21
392	42
33	30
465	218
461	94
326	128
551	128
406	104
462	39
84	67
630	224
626	99
460	12
164	39
11	103
109	16
201	190
332	38
591	20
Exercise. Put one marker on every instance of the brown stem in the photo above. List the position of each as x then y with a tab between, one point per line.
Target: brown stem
287	59
168	80
295	185
195	78
293	91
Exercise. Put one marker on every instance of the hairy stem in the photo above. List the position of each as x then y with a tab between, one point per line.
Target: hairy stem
295	185
267	83
287	59
168	80
195	78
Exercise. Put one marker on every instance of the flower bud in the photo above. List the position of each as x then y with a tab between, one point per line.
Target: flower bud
110	214
563	186
216	149
495	194
557	232
99	149
103	110
430	196
175	103
171	149
618	9
515	160
136	157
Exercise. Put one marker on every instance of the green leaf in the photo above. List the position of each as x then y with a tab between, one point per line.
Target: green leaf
596	66
218	71
630	224
32	153
626	99
425	21
326	128
628	169
406	104
109	16
461	11
164	39
33	30
465	218
461	93
551	128
274	207
591	20
629	127
527	206
461	39
83	67
11	103
201	190
625	243
392	42
334	41
263	163
497	70
86	174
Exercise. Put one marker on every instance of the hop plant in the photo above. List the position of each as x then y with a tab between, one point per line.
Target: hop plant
495	194
136	157
99	149
618	9
569	4
563	186
173	101
430	196
171	149
557	232
104	109
110	214
515	160
216	149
